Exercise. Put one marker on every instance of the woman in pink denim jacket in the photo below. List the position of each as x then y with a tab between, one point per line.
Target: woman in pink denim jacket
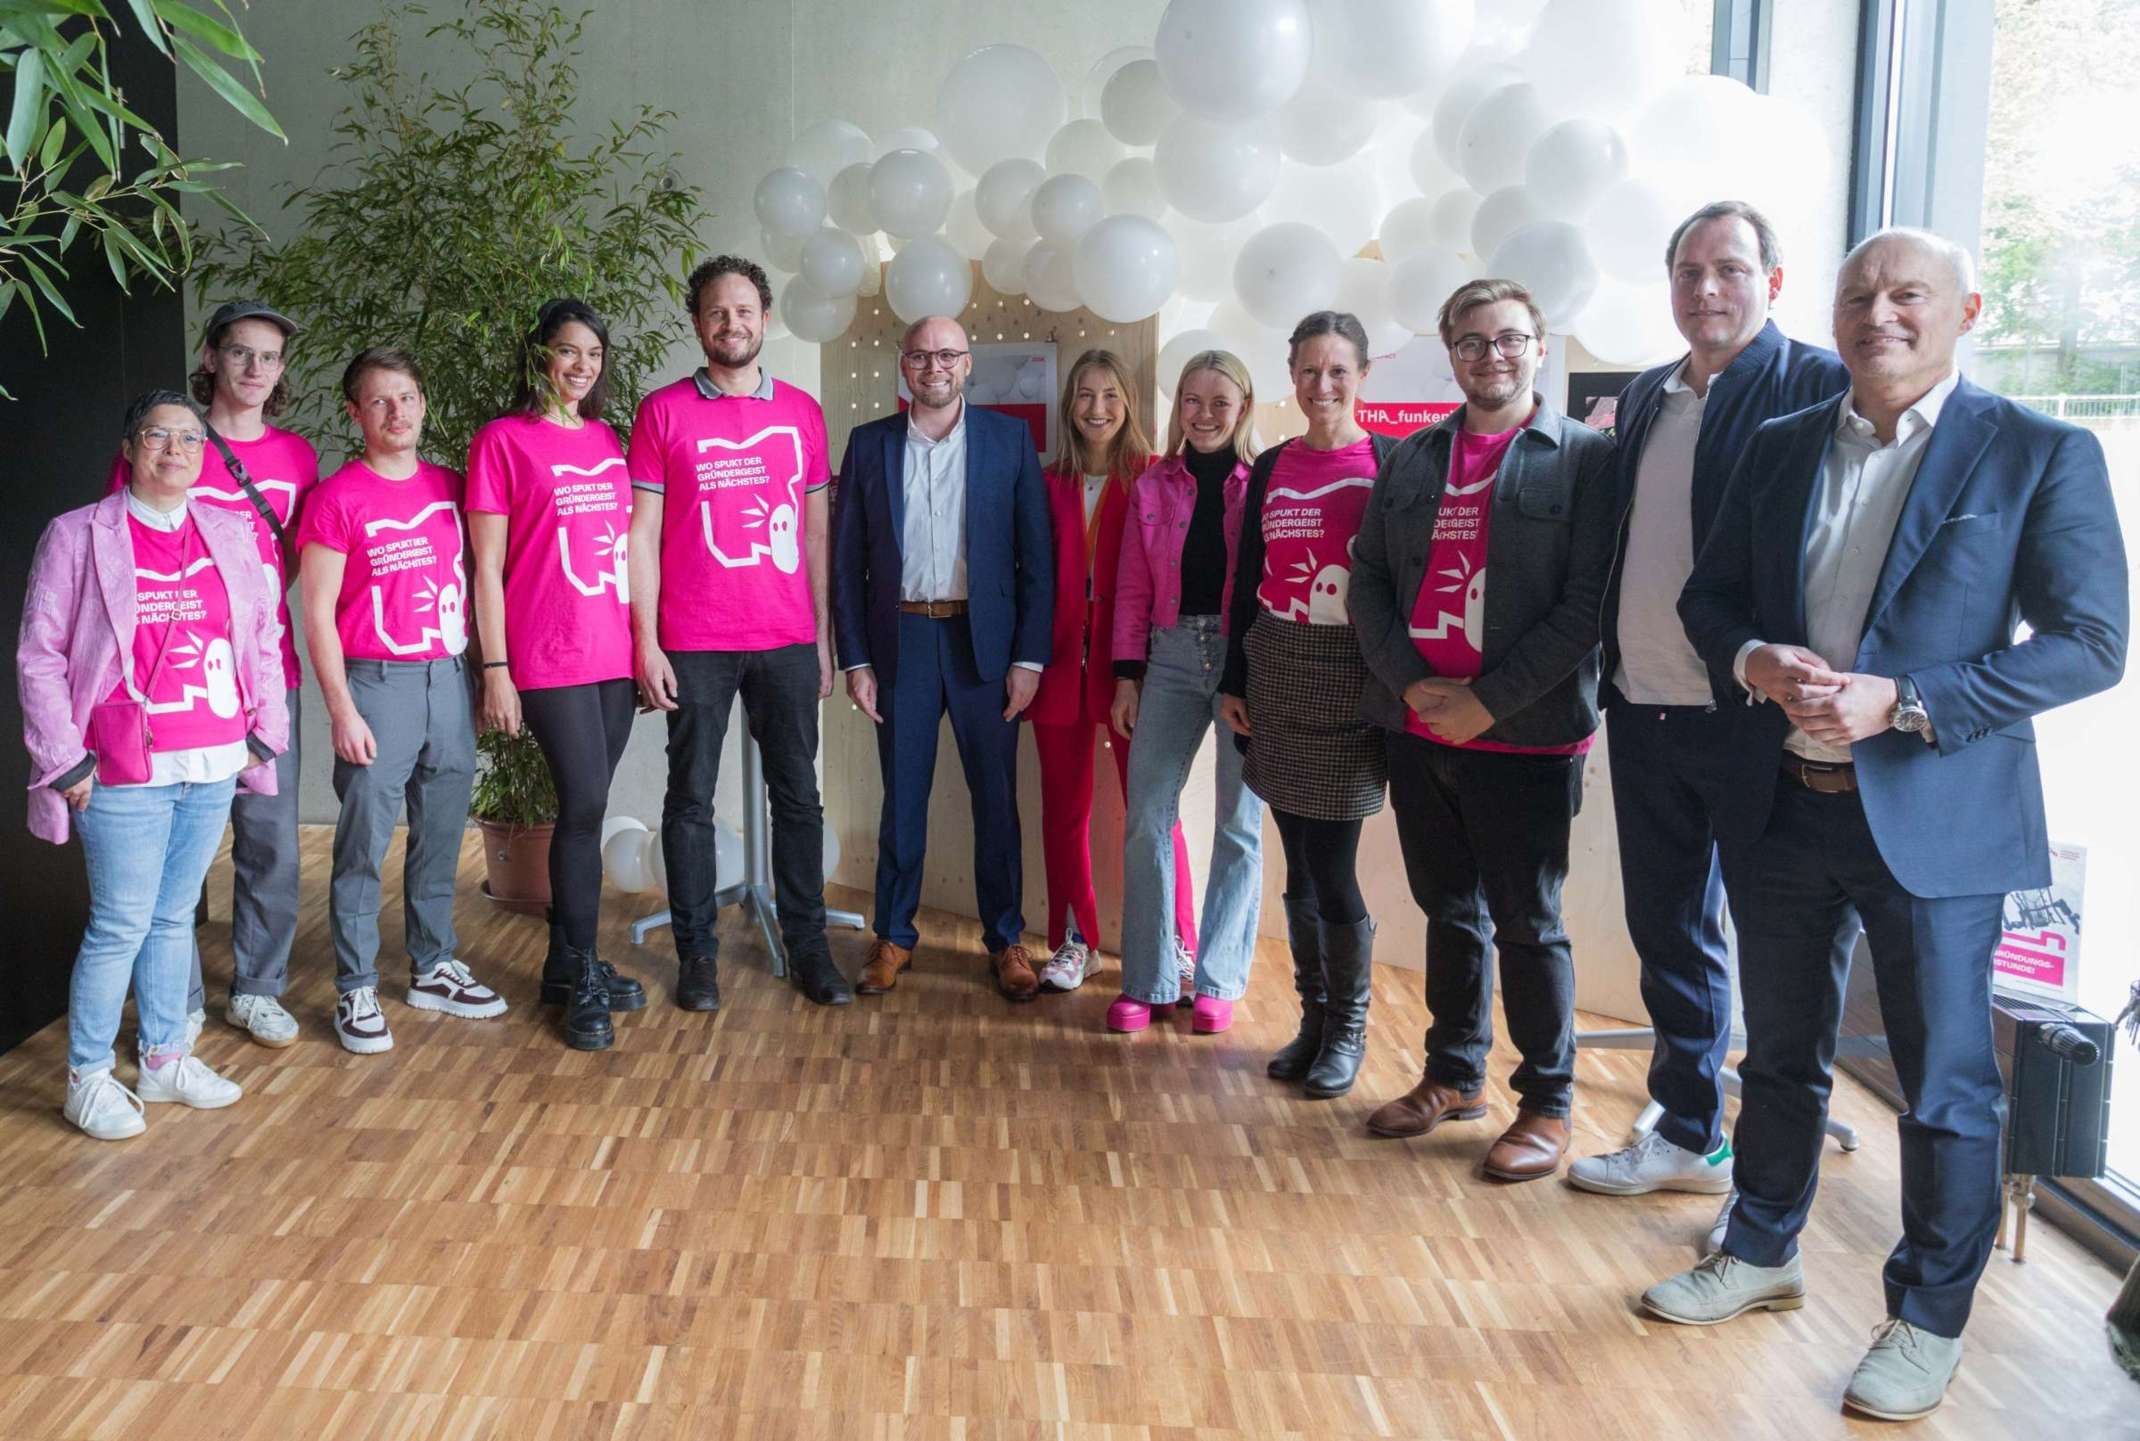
1172	590
158	614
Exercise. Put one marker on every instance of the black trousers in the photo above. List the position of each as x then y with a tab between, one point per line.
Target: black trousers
1322	865
582	730
1485	841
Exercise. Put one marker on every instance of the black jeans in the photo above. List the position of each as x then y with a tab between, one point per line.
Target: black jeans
779	690
582	730
1485	840
1321	865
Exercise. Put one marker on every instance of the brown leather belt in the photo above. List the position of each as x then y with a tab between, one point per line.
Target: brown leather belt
1821	777
933	609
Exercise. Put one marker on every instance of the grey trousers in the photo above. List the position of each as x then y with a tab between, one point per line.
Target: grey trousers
263	885
419	715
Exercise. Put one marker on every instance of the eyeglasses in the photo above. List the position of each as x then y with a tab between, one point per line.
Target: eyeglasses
1510	343
158	438
244	357
919	359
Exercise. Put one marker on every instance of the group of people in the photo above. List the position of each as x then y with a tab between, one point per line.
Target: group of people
1789	580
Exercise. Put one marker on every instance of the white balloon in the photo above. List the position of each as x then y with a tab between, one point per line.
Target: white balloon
847	200
832	262
1505	27
1124	268
1407	229
1284	272
831	851
1083	147
927	277
624	843
1207	253
827	148
1626	324
1215	173
1135	106
790	202
1051	275
997	102
1695	132
1132	188
1453	217
1003	266
1603	57
1364	293
727	858
1322	124
908	137
963	227
1630	227
1181	349
909	193
1418	287
656	863
1549	258
1259	347
1383	49
1572	165
1003	196
1463	94
1065	207
782	252
1343	201
1231	60
1094	90
1501	215
1498	136
814	316
1426	169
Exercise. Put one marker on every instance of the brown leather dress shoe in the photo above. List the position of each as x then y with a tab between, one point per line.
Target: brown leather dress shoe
1424	1107
880	970
1532	1146
1015	976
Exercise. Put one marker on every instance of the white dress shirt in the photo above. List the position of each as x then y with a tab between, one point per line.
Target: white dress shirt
1658	665
934	538
1863	487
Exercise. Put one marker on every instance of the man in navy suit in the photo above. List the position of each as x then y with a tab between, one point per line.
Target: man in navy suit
1865	581
942	594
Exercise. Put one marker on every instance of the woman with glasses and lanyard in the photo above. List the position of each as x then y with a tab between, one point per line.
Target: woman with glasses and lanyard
151	678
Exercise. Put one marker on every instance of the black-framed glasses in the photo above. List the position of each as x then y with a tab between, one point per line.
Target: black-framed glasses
1510	344
919	359
242	357
156	437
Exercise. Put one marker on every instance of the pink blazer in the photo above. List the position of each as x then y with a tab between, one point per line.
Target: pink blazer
1148	580
79	620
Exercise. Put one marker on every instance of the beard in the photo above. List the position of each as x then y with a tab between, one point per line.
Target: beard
735	352
1496	391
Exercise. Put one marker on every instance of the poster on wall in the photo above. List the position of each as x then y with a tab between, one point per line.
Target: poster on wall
2039	954
1593	396
1015	378
1414	386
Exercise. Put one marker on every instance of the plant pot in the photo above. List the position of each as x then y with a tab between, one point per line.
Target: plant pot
517	862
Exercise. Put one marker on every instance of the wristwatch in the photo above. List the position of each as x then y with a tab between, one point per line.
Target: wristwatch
1909	714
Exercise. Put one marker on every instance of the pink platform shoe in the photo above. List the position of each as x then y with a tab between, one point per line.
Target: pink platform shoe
1210	1015
1130	1014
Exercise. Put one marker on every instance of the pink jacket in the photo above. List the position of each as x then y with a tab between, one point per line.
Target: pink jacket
1148	580
79	620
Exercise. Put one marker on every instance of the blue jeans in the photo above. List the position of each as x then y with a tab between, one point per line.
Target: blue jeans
1179	704
147	849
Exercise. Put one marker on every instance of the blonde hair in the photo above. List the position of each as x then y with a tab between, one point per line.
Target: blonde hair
1229	365
1474	293
1131	447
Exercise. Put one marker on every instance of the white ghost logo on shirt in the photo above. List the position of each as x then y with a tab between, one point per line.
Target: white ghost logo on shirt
219	667
452	620
1326	595
786	548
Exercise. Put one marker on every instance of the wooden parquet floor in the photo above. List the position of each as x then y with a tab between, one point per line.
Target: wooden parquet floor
933	1215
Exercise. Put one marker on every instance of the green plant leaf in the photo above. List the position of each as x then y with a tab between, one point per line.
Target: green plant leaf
145	13
227	85
206	28
29	104
55	141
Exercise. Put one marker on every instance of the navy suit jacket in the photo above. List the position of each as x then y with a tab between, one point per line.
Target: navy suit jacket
1010	552
2010	519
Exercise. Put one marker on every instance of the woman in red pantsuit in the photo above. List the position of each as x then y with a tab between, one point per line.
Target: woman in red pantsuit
1103	447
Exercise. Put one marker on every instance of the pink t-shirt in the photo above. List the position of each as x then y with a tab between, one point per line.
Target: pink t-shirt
1449	616
732	471
284	468
568	509
1311	513
182	612
405	585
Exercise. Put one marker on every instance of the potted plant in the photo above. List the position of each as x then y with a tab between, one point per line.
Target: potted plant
515	805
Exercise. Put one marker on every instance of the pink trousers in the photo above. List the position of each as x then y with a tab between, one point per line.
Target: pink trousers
1066	767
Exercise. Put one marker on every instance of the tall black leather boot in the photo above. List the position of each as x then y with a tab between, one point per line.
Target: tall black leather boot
1348	968
587	1023
1293	1059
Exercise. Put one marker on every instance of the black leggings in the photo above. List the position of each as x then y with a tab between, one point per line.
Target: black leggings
582	730
1321	864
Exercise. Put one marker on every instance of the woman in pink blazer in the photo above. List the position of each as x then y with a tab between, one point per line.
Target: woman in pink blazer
1103	447
150	671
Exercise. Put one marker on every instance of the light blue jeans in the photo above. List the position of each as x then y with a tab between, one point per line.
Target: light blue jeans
147	849
1177	709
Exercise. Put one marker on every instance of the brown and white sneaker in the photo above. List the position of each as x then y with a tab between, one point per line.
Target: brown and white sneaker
447	986
359	1023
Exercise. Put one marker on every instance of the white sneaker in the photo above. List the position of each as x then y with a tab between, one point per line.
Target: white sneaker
1186	965
1723	1220
1654	1164
448	987
102	1106
1722	1286
194	1021
263	1018
1067	968
189	1082
360	1023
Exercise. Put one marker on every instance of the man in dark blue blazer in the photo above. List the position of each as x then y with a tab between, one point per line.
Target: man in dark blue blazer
943	590
1865	581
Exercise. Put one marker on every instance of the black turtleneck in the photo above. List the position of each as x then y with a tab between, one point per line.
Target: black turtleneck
1203	552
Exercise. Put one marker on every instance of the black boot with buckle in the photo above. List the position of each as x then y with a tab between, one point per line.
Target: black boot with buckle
560	974
587	1023
1348	969
1292	1061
